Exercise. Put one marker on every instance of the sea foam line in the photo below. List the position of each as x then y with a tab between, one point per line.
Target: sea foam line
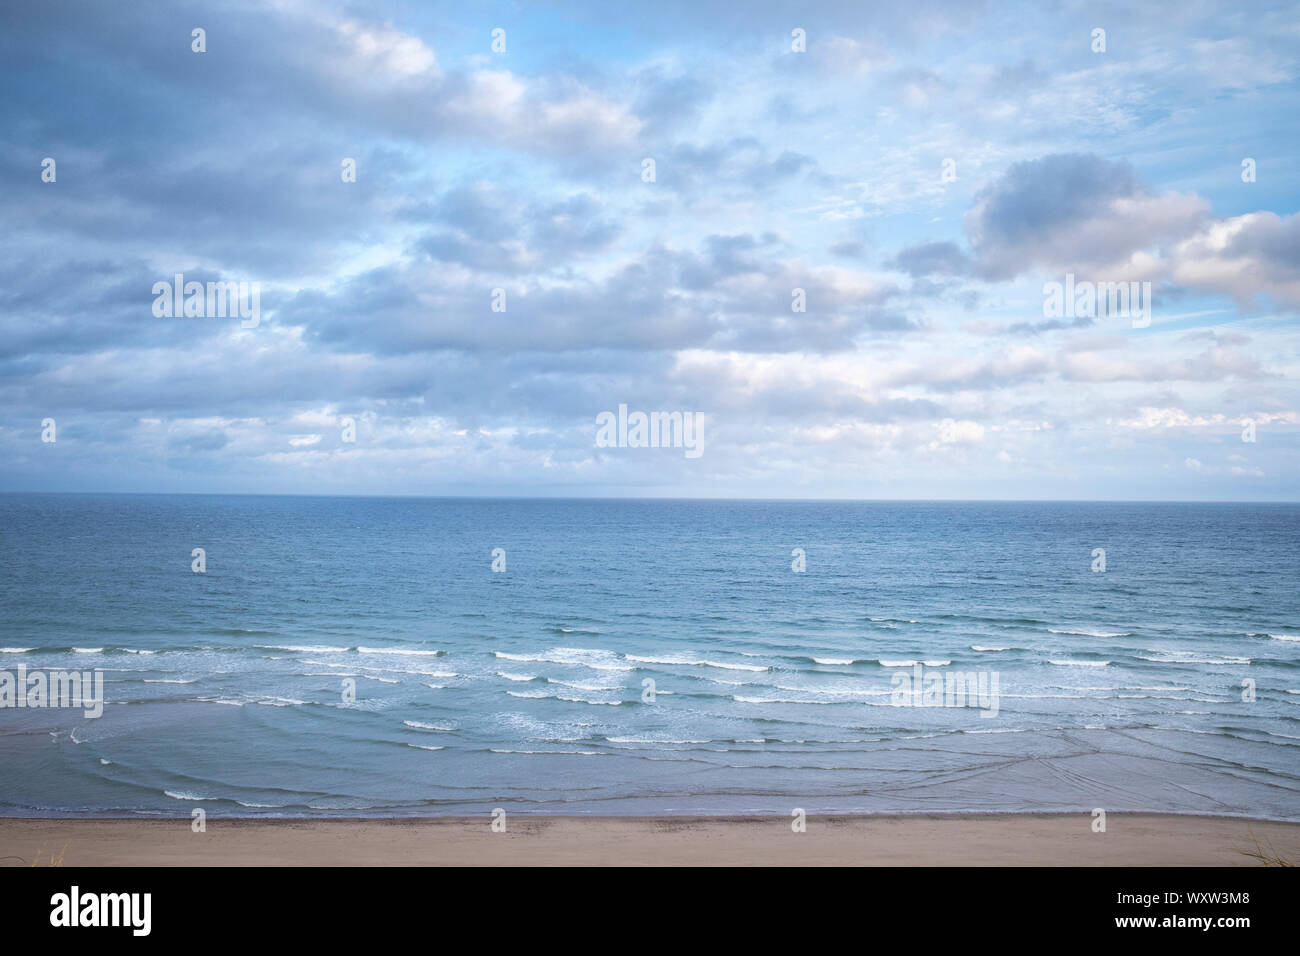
1079	663
687	662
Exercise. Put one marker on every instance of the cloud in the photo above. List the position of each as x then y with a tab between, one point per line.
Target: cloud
1214	364
1080	213
933	258
1071	211
934	374
1248	256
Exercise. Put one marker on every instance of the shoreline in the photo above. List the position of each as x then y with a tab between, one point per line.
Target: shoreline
939	839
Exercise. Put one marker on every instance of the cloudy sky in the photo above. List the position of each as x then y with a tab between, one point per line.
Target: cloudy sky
925	364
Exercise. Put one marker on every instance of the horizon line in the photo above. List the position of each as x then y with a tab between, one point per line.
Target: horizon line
683	498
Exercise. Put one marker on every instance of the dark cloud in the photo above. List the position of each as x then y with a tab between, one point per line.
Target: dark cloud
1072	212
933	258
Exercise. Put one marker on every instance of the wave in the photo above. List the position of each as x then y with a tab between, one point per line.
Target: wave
687	662
600	660
572	700
579	685
846	693
1079	663
401	651
420	726
885	663
834	660
426	747
164	680
517	677
304	648
385	670
1091	633
978	647
652	740
73	650
1196	660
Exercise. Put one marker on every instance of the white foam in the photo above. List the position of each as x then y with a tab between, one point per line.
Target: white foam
688	662
848	693
579	656
572	700
736	667
580	685
1079	663
391	650
304	648
416	723
1090	633
651	740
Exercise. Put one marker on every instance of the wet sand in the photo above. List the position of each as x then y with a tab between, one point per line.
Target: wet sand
1131	839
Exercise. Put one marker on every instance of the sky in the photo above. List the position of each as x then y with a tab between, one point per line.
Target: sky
503	267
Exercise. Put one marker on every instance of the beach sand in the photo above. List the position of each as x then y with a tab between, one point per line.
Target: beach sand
1136	839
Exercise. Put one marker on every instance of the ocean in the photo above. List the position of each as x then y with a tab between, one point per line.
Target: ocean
361	657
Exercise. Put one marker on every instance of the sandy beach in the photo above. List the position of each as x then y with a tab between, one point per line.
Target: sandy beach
989	840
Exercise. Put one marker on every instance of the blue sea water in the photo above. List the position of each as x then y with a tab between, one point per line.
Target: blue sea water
523	689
